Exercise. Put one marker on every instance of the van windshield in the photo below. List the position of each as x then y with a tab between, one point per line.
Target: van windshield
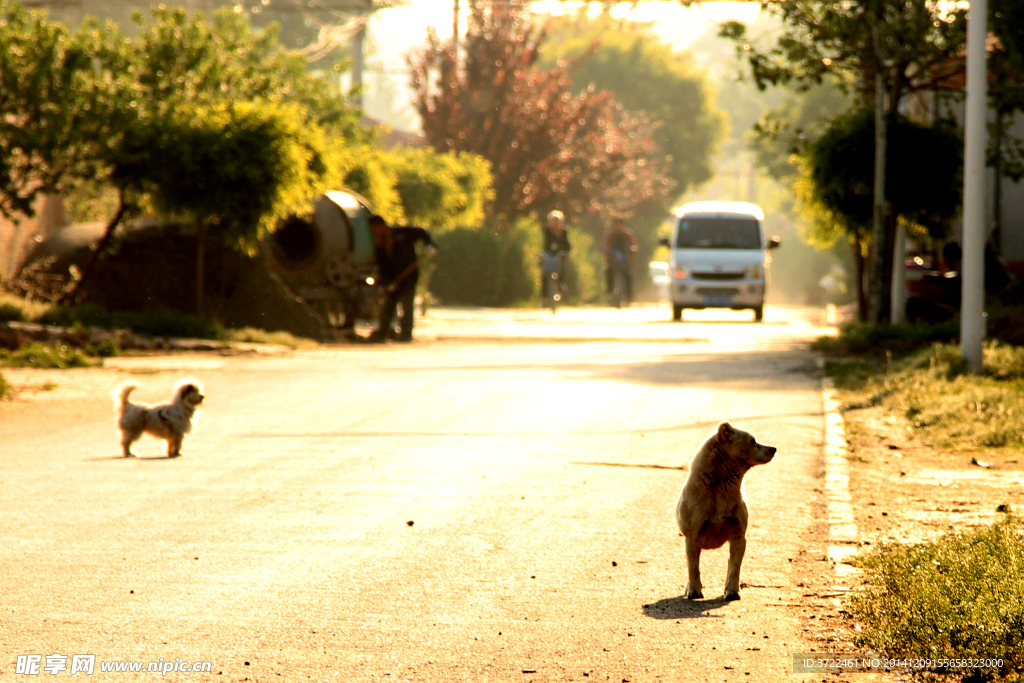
718	233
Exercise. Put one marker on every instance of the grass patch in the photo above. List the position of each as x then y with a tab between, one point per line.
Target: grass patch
942	404
14	308
257	336
5	388
38	355
158	323
961	596
872	340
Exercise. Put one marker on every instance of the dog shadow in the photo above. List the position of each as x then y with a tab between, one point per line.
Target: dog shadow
681	608
137	458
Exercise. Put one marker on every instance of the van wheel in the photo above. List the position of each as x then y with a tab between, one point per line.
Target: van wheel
677	312
759	313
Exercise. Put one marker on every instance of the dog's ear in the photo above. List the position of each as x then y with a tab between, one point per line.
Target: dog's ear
725	431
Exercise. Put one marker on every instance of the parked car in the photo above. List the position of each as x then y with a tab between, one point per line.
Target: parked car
661	279
719	257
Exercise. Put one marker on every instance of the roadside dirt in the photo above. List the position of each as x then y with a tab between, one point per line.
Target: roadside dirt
907	492
903	492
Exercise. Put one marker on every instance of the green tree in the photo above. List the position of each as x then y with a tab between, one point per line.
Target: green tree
441	191
644	74
924	184
180	64
57	108
178	57
1006	95
782	134
876	49
230	169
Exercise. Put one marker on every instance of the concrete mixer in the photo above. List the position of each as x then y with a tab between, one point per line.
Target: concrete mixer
327	259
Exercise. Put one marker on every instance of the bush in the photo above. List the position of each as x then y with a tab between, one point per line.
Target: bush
38	355
959	597
441	191
485	267
421	187
585	270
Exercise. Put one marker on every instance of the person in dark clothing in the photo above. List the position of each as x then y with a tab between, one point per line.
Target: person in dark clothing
555	241
397	271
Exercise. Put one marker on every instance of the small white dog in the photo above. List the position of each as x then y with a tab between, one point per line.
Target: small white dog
711	511
168	421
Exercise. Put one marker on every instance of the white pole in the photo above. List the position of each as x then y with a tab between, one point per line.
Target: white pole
972	305
455	32
898	298
357	60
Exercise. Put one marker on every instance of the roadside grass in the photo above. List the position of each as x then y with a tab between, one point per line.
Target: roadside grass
14	308
958	597
5	388
39	355
942	404
159	323
864	339
255	335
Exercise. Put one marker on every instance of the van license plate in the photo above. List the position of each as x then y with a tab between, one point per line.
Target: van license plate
718	301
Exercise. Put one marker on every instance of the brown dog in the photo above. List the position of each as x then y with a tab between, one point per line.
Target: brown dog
711	510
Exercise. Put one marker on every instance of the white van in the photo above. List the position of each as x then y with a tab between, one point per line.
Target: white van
719	255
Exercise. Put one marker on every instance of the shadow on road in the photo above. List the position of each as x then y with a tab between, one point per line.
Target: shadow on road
681	608
681	468
506	434
137	458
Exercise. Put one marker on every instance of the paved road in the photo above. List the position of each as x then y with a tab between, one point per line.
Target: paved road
473	508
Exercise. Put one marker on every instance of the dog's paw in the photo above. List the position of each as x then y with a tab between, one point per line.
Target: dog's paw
694	595
129	455
732	596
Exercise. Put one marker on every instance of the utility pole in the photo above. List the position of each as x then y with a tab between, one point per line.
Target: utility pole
898	297
358	39
972	303
455	32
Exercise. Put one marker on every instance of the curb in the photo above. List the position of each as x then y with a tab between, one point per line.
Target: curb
842	528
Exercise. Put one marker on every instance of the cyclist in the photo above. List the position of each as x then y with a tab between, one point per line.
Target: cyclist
620	239
556	243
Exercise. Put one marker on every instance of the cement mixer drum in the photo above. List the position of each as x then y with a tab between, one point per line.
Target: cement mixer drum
326	257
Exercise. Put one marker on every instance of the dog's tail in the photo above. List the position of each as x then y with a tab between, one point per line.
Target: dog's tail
121	396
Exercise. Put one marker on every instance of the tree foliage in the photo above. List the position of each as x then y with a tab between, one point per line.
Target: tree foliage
923	183
900	46
781	135
1006	86
644	74
547	148
56	109
181	58
918	45
237	167
420	186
